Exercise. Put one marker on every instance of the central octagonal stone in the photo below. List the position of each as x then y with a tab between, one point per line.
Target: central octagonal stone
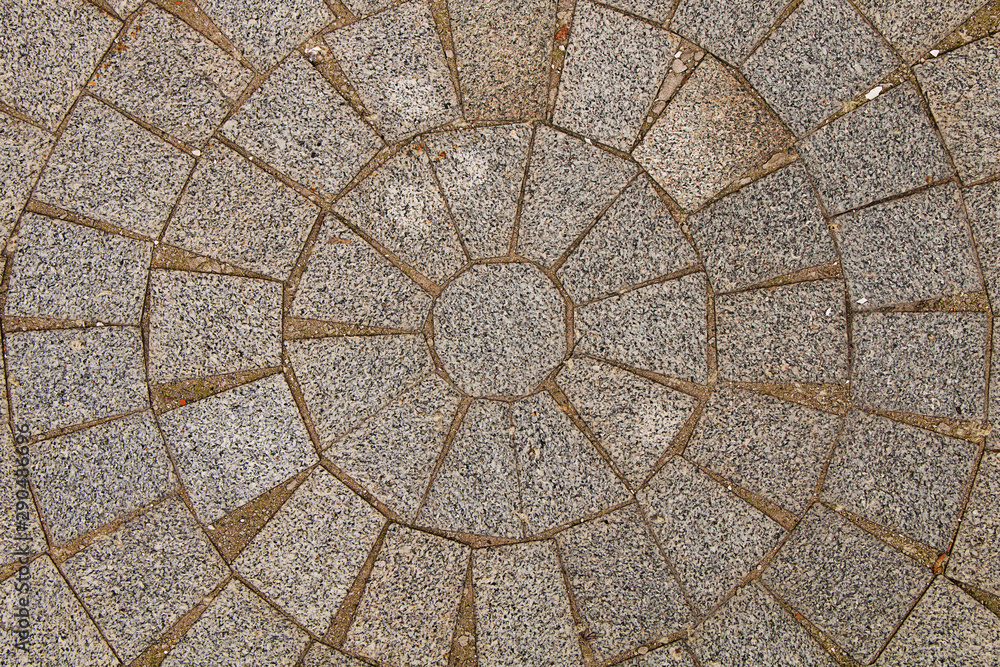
499	329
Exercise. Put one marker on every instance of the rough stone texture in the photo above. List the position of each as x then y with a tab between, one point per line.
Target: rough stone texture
614	66
238	214
727	29
24	532
854	587
975	558
674	655
68	271
500	329
713	538
522	611
982	203
711	132
792	333
396	62
769	447
204	324
109	168
623	587
886	147
914	26
503	51
660	328
324	656
925	363
23	148
822	55
234	446
408	612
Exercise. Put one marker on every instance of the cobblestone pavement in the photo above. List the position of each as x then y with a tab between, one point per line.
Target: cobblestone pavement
500	333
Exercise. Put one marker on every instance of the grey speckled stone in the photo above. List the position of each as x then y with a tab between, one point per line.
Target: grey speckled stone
204	324
821	56
791	333
23	148
854	587
234	446
914	26
394	454
635	241
614	66
909	480
396	62
503	52
68	271
150	573
324	656
569	183
660	328
85	479
66	377
925	363
239	628
481	172
727	29
297	123
769	228
711	132
408	612
770	447
673	655
238	214
983	206
634	418
522	611
307	557
24	532
48	50
562	476
107	167
712	536
886	147
975	558
623	587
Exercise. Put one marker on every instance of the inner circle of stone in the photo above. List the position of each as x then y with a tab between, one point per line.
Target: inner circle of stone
499	329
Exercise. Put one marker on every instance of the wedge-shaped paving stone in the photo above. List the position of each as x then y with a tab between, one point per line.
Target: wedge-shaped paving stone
481	172
924	363
394	454
346	280
401	207
346	380
886	147
73	376
983	206
165	73
710	133
562	475
792	333
729	30
503	52
914	26
569	183
203	324
234	446
408	612
975	558
297	123
820	56
150	572
767	229
23	150
47	51
660	328
396	62
307	557
909	480
635	241
623	587
239	628
753	629
772	448
85	479
635	419
237	213
613	69
324	656
522	612
24	533
106	167
713	538
476	490
851	585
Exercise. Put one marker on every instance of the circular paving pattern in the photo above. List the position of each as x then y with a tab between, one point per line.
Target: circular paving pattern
488	333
